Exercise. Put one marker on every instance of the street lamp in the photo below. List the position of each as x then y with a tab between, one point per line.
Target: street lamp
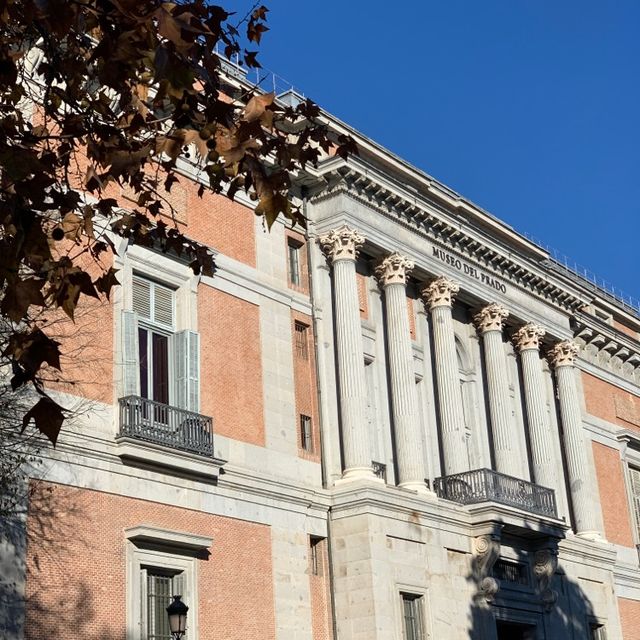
177	612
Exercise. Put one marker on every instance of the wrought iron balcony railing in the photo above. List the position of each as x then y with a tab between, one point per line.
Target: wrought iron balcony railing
485	485
162	424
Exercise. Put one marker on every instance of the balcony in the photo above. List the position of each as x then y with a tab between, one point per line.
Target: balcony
161	424
485	485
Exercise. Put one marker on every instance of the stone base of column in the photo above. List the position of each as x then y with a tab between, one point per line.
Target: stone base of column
359	473
420	488
592	536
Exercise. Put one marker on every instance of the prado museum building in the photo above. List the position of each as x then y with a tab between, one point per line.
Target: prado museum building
404	422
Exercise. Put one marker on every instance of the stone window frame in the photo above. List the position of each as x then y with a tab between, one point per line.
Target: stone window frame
165	549
164	270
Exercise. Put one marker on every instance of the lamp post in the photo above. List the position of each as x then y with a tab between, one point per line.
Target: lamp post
177	612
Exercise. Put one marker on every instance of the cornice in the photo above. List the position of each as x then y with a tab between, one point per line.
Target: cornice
461	237
606	347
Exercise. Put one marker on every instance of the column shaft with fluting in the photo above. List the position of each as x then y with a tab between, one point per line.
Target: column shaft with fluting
505	445
341	247
575	446
392	274
527	341
439	297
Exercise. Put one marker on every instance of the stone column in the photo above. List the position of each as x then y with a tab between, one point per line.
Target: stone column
490	321
562	357
527	341
392	275
341	247
439	297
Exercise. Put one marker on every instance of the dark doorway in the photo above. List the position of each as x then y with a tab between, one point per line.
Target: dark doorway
515	631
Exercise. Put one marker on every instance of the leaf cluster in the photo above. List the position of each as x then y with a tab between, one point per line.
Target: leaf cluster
97	96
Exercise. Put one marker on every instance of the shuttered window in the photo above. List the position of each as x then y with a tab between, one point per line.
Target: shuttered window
634	475
153	302
413	625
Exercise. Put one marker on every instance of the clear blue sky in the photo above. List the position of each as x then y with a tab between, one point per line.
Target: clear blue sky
528	108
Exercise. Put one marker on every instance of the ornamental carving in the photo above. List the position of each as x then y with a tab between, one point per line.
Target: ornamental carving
486	550
545	563
394	269
440	292
564	353
528	337
341	244
491	318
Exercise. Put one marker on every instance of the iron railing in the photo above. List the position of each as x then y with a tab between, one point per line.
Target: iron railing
486	485
379	470
169	426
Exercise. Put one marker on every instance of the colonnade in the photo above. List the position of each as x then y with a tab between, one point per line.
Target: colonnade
341	248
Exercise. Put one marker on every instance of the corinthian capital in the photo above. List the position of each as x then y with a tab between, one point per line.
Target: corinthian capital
341	244
564	353
440	292
528	337
394	269
491	318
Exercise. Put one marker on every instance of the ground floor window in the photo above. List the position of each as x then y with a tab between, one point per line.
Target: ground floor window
160	585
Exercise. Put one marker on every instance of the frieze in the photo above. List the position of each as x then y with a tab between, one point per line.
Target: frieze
468	270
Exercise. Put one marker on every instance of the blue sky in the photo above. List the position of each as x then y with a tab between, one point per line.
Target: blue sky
531	109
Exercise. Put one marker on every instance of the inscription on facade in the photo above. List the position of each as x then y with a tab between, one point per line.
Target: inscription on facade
468	270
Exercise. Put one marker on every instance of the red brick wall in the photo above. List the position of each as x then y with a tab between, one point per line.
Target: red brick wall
363	296
613	495
625	329
321	617
412	318
304	373
608	402
629	618
76	580
231	365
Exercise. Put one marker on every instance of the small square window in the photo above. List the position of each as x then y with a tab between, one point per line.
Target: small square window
294	251
302	340
306	438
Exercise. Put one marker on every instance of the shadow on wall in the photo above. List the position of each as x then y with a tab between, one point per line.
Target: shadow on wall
526	598
62	605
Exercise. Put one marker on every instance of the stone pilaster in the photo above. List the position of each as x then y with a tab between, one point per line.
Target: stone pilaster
439	296
341	248
527	342
562	356
490	321
392	275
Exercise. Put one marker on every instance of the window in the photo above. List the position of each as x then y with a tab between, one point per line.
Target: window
161	586
511	572
412	617
154	305
597	631
294	250
159	363
634	477
305	433
302	340
161	564
315	555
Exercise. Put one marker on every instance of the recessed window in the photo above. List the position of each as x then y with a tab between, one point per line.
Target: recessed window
634	477
306	435
413	617
315	555
597	631
294	250
161	586
302	340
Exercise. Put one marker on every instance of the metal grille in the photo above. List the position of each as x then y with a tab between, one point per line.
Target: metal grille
486	485
159	592
379	470
634	476
305	433
302	343
510	571
166	425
